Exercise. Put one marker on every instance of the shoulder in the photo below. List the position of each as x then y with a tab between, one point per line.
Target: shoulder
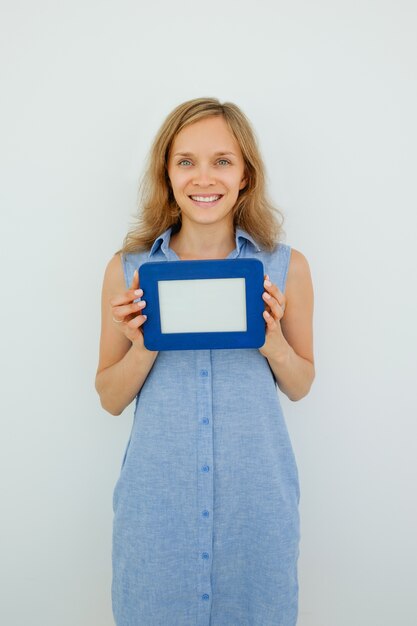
114	268
298	265
299	274
113	275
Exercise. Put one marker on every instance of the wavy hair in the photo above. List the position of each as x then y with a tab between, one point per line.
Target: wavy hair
158	209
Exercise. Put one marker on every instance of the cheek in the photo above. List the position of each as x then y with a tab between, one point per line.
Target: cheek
179	181
234	181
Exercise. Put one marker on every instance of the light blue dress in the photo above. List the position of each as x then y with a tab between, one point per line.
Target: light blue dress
206	524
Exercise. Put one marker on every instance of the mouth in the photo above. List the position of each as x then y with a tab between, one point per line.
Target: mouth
206	200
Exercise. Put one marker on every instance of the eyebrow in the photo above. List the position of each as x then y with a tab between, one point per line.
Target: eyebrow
190	154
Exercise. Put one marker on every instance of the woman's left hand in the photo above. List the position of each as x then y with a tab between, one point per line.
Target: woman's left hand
275	302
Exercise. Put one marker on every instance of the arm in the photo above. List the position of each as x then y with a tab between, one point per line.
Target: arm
124	362
289	336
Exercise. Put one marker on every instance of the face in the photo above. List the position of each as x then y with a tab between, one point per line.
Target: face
207	171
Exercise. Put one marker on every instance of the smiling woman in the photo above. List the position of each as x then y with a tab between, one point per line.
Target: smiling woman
203	532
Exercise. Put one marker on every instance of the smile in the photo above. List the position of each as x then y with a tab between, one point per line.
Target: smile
206	200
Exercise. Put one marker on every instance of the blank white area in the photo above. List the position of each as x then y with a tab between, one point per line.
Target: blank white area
206	305
330	88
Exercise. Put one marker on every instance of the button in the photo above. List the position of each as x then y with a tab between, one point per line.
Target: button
205	468
206	420
205	514
205	596
205	555
203	373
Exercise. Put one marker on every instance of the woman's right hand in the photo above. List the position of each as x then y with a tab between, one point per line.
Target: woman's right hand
124	361
127	314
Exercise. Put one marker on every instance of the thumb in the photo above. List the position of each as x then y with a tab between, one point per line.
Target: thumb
135	281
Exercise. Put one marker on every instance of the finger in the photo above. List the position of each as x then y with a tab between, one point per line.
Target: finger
270	322
137	321
133	293
126	297
276	304
121	312
135	281
274	308
275	292
273	289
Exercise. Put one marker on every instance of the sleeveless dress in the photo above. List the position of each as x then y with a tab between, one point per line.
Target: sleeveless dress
206	523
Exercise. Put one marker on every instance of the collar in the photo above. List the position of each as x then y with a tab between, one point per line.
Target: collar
241	235
164	238
161	242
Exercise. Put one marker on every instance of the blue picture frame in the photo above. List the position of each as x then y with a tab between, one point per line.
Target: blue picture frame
251	270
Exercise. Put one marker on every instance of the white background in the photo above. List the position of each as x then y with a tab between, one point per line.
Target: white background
331	90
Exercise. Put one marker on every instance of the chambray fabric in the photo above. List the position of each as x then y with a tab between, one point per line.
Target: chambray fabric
206	524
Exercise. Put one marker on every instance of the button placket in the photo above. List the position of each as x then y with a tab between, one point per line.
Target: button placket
204	483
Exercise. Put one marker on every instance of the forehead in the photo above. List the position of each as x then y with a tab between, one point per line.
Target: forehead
211	133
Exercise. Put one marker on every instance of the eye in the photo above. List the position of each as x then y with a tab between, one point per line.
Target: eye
187	161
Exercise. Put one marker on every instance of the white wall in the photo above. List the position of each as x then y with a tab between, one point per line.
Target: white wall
331	90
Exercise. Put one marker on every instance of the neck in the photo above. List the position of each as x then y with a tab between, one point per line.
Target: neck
201	241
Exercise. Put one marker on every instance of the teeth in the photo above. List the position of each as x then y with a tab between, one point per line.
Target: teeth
205	199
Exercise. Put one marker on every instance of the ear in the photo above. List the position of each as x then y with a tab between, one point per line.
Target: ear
243	182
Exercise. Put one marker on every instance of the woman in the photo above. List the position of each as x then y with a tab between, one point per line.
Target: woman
206	525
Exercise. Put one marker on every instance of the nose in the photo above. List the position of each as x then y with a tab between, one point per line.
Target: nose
203	176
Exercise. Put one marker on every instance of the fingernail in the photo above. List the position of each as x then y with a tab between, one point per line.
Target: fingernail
267	296
268	283
138	292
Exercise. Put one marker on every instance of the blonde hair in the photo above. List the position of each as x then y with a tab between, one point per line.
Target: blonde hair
158	209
